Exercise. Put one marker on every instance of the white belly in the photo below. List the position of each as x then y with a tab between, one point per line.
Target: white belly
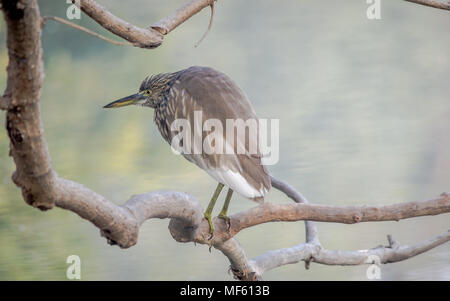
237	182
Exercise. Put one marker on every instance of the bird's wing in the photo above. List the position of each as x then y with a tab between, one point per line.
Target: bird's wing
216	96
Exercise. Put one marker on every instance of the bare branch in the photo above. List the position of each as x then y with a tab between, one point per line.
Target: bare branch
34	172
312	235
76	26
120	225
273	259
166	25
317	254
189	224
269	212
311	229
432	3
241	267
386	254
142	37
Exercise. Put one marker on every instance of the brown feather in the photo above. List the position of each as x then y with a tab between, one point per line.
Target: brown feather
217	96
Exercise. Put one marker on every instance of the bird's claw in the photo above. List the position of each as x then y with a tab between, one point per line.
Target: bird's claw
227	220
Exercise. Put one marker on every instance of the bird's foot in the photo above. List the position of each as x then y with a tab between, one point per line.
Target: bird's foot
226	218
211	225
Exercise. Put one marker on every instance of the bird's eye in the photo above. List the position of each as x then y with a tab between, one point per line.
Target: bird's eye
149	92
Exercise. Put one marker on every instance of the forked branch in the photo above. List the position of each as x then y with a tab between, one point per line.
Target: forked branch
150	37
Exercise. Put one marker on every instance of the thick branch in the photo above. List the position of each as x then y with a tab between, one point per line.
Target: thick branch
34	172
120	225
140	37
189	224
269	212
241	267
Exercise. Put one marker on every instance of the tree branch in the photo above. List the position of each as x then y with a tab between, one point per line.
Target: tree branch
312	235
311	252
76	26
139	37
269	212
120	225
166	25
142	37
189	224
432	3
311	229
241	267
34	172
394	252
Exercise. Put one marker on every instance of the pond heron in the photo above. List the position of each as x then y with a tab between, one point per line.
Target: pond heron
200	95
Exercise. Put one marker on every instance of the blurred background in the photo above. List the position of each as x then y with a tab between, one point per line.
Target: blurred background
364	119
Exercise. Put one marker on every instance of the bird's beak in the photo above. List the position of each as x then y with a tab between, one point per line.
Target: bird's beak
126	101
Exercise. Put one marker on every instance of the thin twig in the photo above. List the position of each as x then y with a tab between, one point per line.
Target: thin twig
139	37
167	24
209	25
76	26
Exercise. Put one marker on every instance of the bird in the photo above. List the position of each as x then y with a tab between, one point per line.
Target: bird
178	96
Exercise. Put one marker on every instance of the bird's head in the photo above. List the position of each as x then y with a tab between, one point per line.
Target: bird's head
151	92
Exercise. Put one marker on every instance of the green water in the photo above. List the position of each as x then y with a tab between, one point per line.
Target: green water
364	119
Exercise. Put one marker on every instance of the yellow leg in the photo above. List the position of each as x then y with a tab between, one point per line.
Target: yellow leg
210	208
223	212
